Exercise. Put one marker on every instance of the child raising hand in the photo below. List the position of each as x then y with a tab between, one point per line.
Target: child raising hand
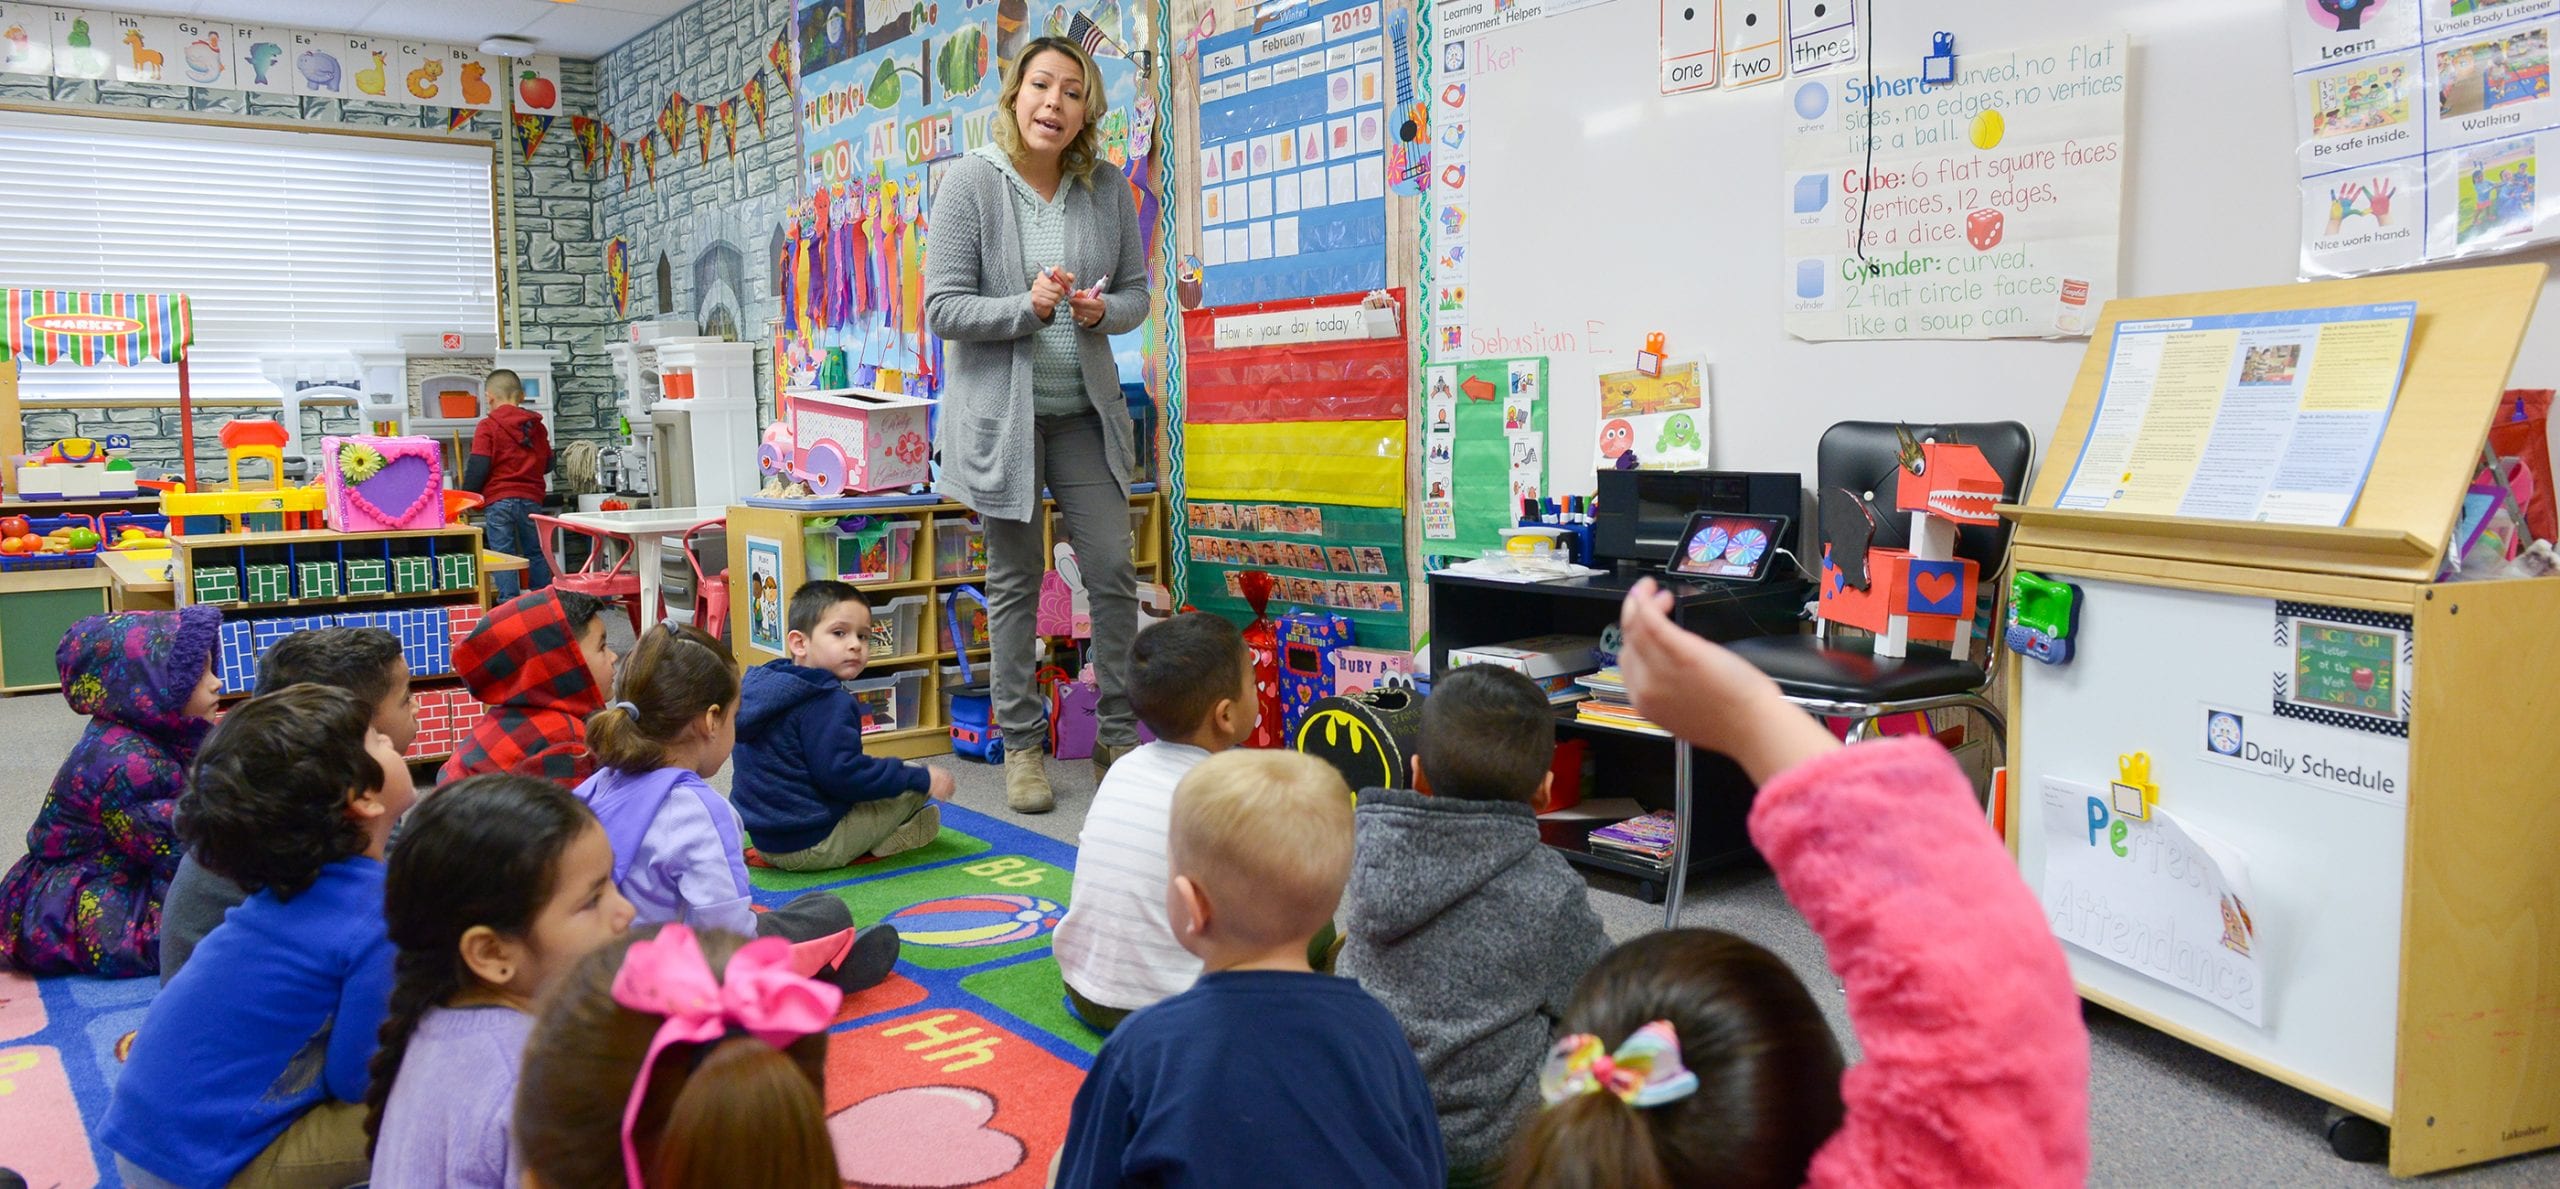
1695	1057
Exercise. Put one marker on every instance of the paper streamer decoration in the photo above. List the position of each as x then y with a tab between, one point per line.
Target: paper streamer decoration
755	100
671	122
529	133
617	273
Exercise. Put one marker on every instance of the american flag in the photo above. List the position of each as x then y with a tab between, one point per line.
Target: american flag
1092	38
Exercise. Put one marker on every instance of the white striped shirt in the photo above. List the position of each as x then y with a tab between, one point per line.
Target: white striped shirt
1116	945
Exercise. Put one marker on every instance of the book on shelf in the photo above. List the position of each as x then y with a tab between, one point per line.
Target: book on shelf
1602	714
1648	838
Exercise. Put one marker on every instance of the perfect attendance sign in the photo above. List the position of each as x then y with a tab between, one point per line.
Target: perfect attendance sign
1991	208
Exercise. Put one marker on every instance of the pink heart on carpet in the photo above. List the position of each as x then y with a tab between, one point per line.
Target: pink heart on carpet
922	1137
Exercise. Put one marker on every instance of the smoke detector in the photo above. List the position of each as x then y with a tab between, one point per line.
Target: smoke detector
507	47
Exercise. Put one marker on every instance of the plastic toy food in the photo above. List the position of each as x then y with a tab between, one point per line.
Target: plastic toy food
15	526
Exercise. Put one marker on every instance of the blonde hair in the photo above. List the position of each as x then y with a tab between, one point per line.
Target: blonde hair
1271	831
1082	153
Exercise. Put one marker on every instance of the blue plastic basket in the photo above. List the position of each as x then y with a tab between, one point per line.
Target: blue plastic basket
79	559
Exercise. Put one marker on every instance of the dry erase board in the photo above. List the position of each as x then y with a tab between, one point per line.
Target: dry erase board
1602	209
2320	811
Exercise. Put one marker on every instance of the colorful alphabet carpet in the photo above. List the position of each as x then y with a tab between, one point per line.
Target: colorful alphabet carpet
956	1072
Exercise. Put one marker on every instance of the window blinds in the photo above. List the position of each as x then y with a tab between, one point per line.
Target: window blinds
285	240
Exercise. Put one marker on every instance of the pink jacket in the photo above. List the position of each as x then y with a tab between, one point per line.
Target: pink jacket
1976	1068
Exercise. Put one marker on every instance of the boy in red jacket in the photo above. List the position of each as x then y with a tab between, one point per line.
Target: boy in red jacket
540	663
510	454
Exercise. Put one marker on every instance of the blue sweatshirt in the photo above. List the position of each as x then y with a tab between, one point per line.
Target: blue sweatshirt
799	761
278	1011
1258	1078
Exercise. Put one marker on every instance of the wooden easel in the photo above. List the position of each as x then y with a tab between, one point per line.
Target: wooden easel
2474	1061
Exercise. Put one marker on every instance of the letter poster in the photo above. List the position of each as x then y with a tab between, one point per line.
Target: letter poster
2420	129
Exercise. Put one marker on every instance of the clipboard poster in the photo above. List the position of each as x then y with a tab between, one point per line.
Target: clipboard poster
2270	417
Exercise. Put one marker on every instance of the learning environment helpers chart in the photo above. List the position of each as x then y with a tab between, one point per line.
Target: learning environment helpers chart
2420	128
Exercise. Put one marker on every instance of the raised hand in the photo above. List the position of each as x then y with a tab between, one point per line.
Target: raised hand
1707	695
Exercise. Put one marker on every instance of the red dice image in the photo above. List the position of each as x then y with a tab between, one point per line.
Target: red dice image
1982	229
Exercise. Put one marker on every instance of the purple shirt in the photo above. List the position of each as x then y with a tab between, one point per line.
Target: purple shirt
679	853
447	1121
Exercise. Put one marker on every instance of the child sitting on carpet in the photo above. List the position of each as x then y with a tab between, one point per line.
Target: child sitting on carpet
366	662
680	1060
1460	919
1191	682
540	663
1696	1057
86	898
251	1064
678	850
809	796
1264	1072
500	885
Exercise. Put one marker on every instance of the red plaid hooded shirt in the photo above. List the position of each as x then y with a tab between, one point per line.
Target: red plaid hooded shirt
525	663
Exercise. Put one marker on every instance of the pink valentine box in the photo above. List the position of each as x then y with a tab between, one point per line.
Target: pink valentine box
379	484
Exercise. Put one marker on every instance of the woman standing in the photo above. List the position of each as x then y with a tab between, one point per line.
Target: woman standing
1034	261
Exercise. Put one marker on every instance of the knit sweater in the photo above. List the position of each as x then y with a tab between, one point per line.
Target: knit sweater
1057	376
977	301
1473	933
1976	1068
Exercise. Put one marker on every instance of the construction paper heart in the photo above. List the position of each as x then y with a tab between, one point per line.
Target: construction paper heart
922	1137
1935	587
402	483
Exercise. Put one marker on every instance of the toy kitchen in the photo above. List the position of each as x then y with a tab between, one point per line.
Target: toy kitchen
686	417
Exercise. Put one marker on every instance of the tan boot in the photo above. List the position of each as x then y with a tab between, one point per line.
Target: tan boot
1026	782
1107	754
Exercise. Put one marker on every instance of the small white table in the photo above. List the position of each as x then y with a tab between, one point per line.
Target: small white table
651	532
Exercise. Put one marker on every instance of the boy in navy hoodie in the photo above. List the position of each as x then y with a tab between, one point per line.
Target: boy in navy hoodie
808	795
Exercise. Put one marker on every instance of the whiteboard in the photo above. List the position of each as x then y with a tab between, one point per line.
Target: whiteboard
1602	210
2325	867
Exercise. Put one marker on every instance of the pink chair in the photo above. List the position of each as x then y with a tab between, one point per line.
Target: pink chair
593	576
711	581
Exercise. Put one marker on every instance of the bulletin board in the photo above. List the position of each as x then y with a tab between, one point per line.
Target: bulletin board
1478	417
1601	209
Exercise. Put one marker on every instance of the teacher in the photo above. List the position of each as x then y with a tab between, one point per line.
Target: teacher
1034	260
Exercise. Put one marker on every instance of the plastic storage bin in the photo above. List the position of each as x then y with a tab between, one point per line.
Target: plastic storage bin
873	550
972	623
889	703
897	627
959	548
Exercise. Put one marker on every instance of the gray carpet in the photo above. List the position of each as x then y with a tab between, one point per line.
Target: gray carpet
2162	1112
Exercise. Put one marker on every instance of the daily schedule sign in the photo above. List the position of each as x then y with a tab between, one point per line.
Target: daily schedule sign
1986	207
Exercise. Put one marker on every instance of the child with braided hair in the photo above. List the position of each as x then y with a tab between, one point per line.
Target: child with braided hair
501	883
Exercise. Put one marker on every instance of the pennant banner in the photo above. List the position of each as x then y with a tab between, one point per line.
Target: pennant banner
626	164
60	326
671	122
529	133
755	100
584	128
617	272
458	119
702	130
779	53
729	125
649	158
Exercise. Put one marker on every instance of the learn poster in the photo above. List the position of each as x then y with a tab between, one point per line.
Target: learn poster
1484	424
2420	129
2157	897
1988	207
2269	416
764	594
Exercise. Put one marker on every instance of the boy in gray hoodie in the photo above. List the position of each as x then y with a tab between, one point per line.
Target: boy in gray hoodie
1459	920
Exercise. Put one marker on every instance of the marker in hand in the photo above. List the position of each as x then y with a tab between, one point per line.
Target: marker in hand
1096	289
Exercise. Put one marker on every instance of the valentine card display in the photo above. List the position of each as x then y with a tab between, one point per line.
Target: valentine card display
382	484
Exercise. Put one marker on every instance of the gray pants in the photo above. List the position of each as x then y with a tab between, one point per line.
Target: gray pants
1067	456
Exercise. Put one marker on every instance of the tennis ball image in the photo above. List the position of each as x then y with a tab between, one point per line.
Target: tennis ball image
1988	128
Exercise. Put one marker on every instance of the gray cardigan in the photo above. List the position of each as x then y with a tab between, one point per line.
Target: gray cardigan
975	300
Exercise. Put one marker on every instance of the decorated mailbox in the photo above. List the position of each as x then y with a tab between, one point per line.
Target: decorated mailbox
380	484
1308	641
1924	592
849	440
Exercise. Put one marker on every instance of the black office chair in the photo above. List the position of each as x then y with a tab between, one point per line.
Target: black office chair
1856	466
